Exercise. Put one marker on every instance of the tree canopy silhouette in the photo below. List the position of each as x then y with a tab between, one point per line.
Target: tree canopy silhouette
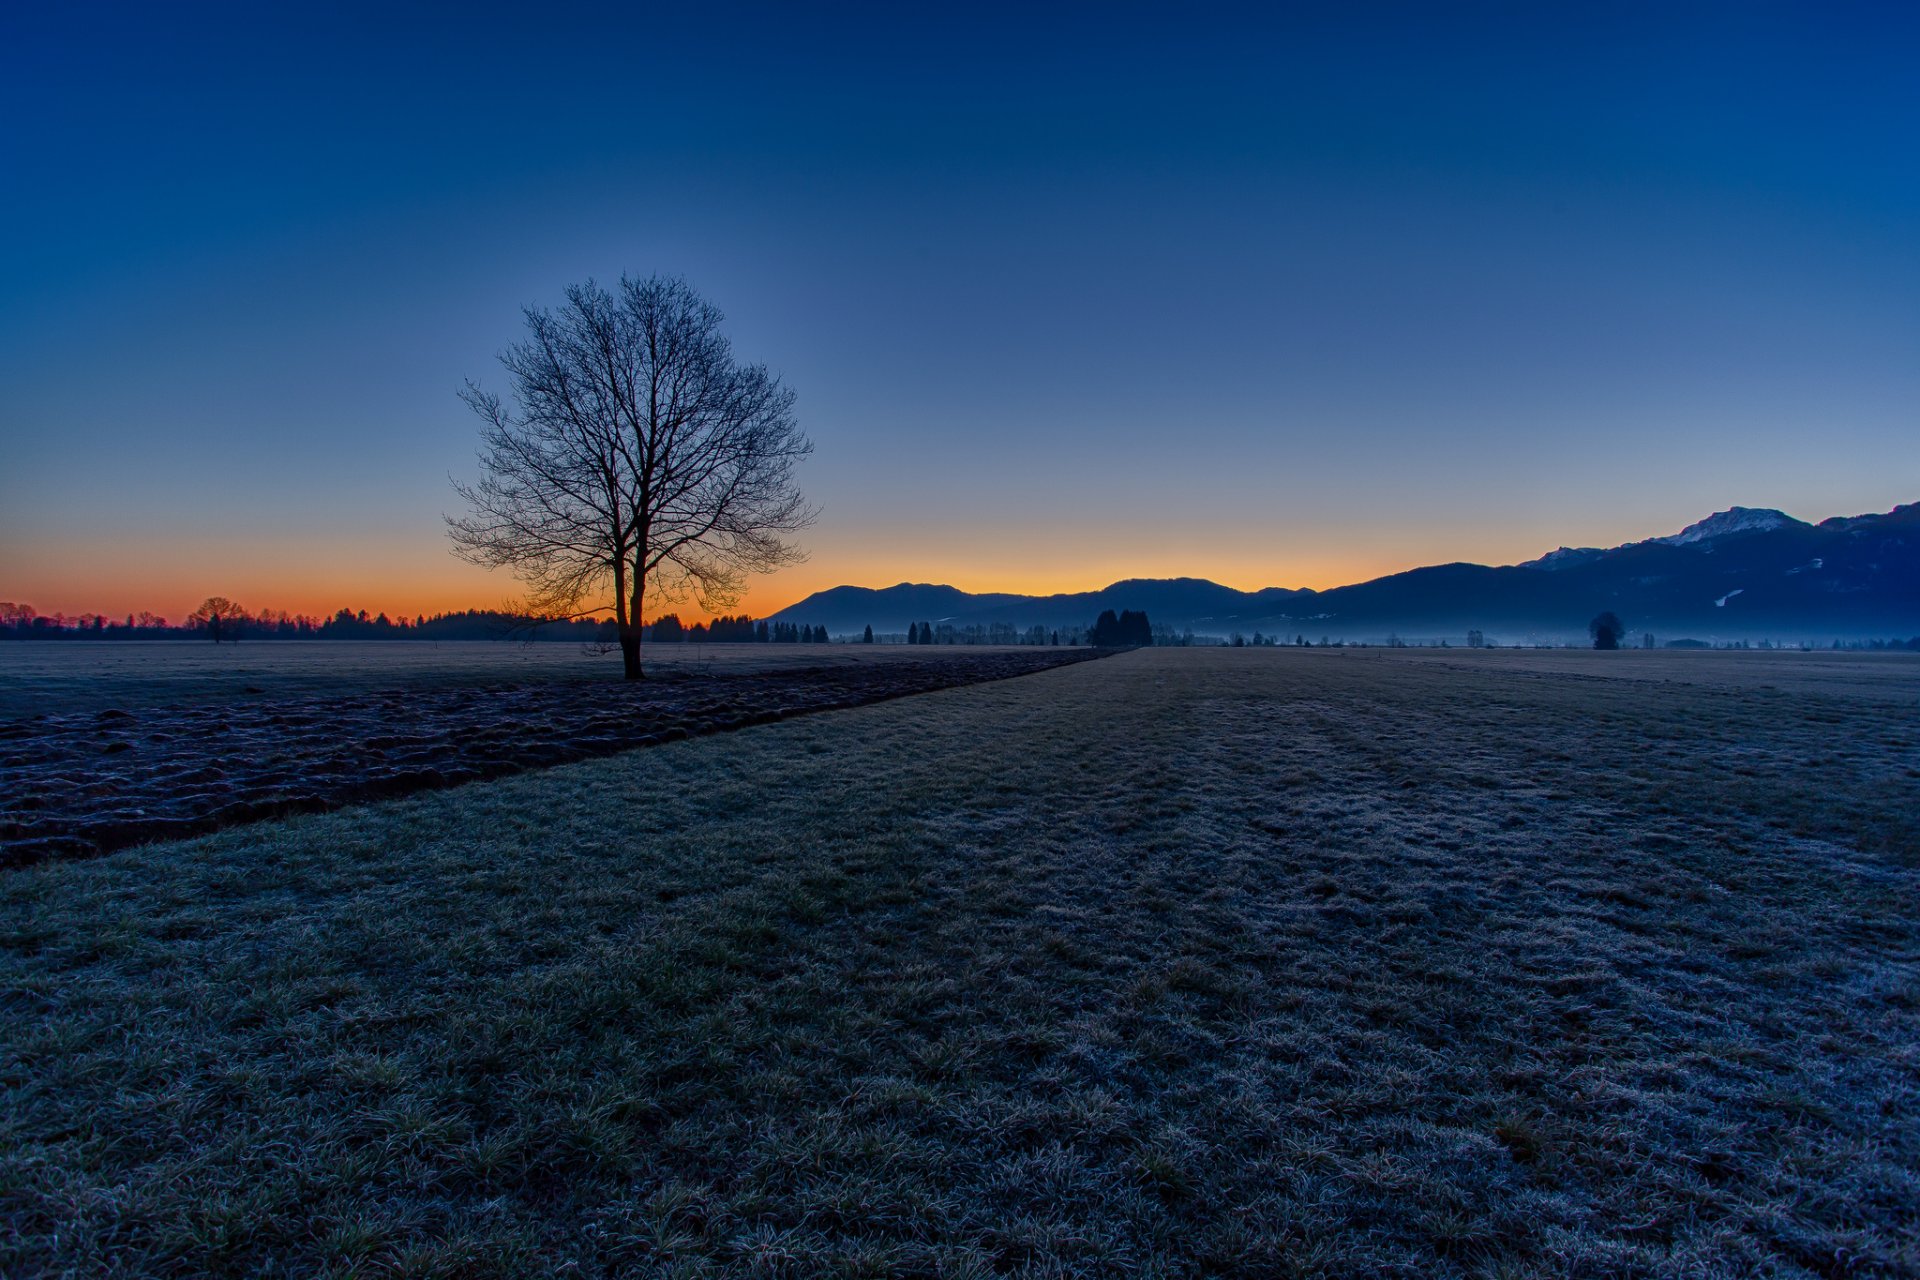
1129	628
636	456
220	616
1606	630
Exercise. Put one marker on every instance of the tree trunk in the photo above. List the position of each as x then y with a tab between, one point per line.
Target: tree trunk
636	619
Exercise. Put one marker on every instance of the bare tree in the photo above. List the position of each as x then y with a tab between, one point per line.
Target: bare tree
218	615
637	458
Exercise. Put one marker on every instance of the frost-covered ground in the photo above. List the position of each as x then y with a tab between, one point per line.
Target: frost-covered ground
1203	962
67	676
82	784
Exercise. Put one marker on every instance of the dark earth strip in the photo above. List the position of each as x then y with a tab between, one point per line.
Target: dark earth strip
81	785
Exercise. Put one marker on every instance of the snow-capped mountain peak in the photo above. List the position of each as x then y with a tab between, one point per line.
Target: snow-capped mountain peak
1700	534
1564	558
1733	520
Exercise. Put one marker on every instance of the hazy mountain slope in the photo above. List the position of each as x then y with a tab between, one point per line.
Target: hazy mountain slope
1194	602
1742	572
889	608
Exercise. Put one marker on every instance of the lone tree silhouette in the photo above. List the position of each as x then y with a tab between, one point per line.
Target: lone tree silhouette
219	615
1606	630
636	456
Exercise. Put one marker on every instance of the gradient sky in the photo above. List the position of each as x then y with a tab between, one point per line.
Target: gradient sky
1067	295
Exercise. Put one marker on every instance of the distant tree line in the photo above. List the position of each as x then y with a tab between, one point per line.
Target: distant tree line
998	633
1894	645
24	622
222	620
232	622
1260	640
668	629
1873	646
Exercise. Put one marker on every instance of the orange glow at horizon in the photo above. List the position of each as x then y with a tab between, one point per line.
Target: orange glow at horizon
403	576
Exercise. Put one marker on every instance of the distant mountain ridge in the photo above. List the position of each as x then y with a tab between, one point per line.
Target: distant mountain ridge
1720	524
1741	573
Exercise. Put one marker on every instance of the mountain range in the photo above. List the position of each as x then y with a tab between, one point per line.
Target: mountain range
1743	573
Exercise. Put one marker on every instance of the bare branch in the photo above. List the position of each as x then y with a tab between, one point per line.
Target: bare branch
637	458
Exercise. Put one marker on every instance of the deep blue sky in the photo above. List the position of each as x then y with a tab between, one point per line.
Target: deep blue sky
1286	300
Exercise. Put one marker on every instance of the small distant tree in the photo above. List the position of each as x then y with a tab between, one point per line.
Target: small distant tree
1111	631
1606	630
867	638
667	629
220	616
1475	640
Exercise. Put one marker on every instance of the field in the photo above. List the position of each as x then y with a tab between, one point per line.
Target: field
78	784
1180	963
75	676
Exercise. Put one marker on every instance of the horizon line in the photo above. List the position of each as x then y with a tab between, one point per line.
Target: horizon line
693	610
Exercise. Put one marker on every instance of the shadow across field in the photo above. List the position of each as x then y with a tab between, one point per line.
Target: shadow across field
1180	964
79	785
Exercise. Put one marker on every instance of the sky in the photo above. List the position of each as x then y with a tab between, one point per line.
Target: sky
1068	293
